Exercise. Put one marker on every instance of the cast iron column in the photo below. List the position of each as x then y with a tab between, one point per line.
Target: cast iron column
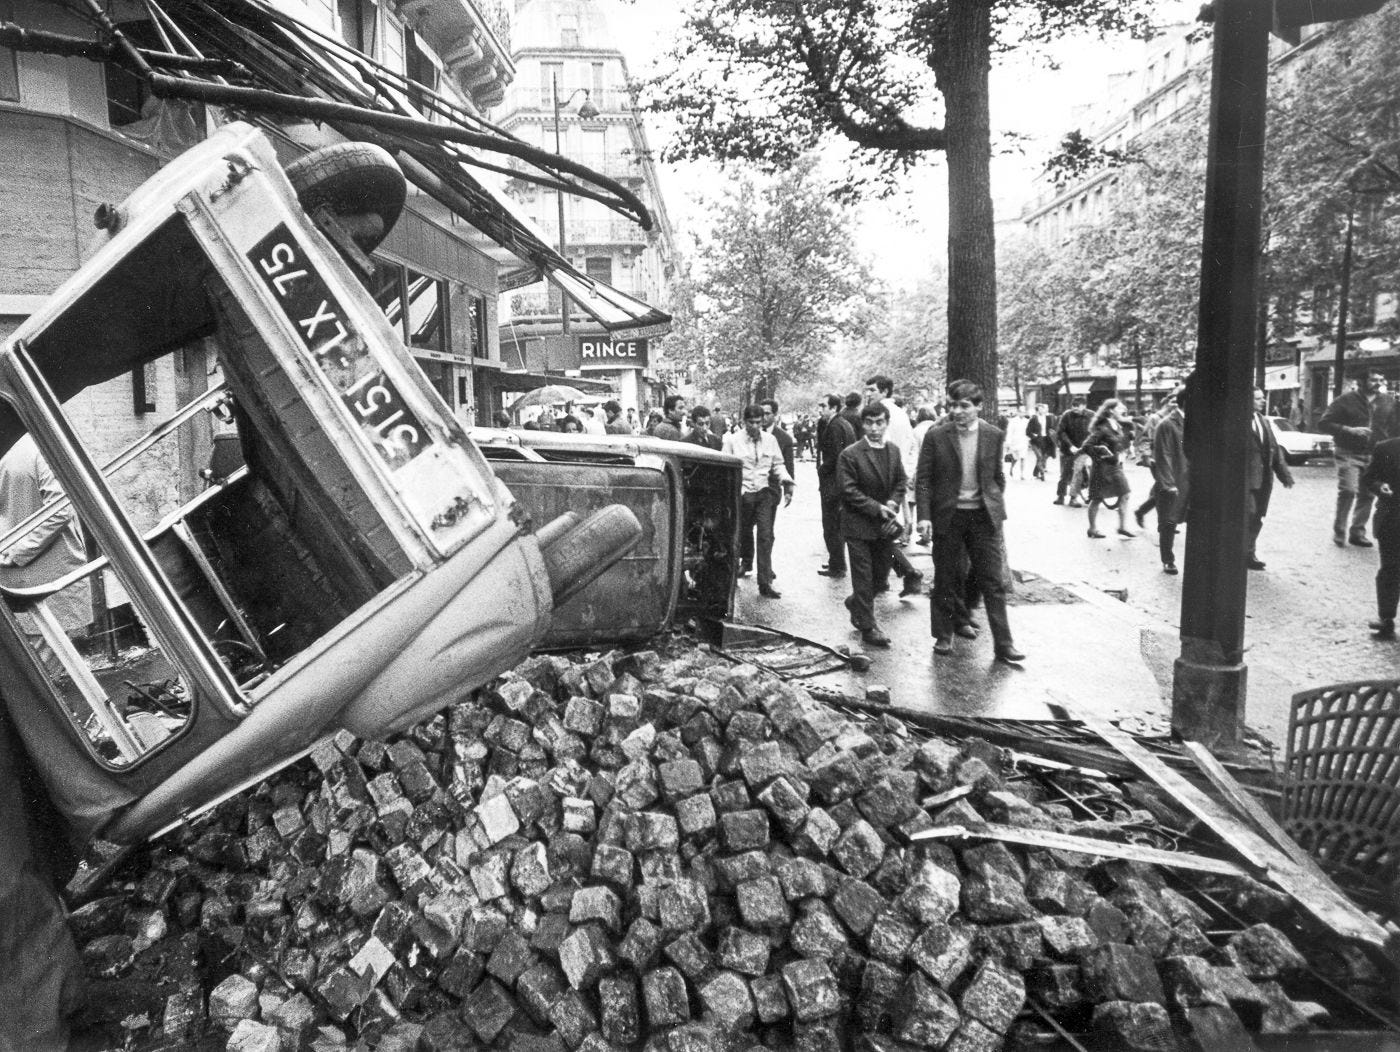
1208	692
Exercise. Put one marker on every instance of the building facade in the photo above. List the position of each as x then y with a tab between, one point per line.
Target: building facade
567	67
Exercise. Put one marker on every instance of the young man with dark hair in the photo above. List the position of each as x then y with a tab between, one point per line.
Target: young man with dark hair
672	426
960	493
763	472
1170	478
1357	420
870	473
851	412
700	433
1381	479
834	433
1070	433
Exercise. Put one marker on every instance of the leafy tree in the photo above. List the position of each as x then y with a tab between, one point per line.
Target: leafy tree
908	341
764	81
775	285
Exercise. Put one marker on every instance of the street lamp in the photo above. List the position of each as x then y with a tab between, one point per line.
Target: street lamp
586	110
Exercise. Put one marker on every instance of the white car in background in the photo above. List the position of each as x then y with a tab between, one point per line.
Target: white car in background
1299	446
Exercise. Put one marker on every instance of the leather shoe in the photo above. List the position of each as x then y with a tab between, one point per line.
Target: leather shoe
912	584
850	610
1360	540
875	638
825	572
1059	500
769	592
966	631
1009	654
1254	564
745	569
1095	534
1141	517
1170	568
942	645
1383	629
1339	538
1076	503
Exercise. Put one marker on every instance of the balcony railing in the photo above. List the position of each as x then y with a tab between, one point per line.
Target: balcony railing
610	100
604	232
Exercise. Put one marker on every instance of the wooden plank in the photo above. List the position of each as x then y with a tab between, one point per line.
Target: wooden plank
946	797
1083	845
1248	807
1322	899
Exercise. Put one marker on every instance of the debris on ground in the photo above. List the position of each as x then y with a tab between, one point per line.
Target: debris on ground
664	850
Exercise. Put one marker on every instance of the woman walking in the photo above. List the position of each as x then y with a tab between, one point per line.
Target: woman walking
1109	439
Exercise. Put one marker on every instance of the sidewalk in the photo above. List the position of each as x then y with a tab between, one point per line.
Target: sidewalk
1081	643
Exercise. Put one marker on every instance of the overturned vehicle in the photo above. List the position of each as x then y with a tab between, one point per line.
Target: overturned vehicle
351	561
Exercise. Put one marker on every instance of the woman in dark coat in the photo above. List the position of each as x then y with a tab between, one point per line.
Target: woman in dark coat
1110	438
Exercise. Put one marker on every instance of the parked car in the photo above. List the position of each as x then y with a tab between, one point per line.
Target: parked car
686	498
353	561
1299	446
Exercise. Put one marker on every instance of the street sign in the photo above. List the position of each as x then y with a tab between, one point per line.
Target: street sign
605	352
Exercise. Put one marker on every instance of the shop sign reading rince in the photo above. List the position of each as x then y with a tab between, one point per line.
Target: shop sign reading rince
612	352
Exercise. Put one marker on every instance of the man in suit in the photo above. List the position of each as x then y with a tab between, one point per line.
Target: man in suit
834	434
775	428
959	492
871	476
1170	478
853	401
1070	433
1382	480
1265	463
1357	420
1040	430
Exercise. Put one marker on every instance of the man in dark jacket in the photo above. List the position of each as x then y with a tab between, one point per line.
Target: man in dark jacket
1382	480
834	434
960	494
854	401
1070	433
1170	479
1357	420
870	473
1264	465
700	433
1040	431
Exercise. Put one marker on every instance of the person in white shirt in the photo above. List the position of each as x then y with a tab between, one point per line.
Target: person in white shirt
763	464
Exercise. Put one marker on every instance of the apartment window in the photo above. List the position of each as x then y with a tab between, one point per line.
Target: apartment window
127	93
551	73
598	84
476	326
359	22
426	320
418	68
568	31
599	268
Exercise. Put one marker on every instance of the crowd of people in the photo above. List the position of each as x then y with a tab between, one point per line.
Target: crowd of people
887	472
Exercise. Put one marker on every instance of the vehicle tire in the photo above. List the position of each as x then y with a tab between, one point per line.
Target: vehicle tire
352	179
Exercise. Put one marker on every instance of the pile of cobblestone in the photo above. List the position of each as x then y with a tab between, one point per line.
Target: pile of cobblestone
669	853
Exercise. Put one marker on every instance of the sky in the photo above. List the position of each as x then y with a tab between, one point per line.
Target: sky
1030	100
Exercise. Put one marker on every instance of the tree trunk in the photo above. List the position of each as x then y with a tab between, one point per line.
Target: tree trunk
972	282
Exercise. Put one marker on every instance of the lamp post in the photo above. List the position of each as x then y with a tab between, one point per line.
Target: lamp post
586	110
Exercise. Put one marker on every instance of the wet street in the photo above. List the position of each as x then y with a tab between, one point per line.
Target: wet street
1306	623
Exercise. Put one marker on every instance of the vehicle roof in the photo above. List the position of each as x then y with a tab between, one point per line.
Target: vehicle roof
611	445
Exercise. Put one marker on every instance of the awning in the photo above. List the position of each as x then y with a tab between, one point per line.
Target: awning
513	381
289	69
1080	387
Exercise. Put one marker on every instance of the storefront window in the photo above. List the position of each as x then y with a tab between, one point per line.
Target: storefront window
427	321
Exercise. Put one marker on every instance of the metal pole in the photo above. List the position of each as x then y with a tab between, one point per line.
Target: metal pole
1343	301
1209	685
559	197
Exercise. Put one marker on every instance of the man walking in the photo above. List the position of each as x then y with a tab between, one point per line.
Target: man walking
1382	480
1356	420
1040	431
960	495
1070	433
763	472
834	434
1265	463
1169	479
672	428
870	473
